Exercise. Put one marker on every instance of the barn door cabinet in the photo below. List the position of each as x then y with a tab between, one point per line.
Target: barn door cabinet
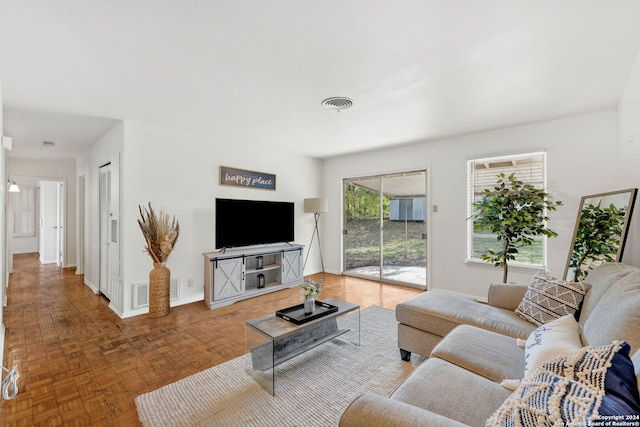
238	274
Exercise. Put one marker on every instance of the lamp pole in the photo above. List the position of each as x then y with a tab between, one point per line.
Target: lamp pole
315	206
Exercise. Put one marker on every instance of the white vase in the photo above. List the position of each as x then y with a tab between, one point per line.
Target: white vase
309	306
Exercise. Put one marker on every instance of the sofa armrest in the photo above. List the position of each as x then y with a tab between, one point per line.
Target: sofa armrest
507	296
370	410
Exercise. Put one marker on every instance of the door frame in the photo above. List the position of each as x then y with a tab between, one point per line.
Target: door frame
428	210
62	213
80	223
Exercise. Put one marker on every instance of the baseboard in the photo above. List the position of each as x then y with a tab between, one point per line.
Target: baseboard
90	285
145	310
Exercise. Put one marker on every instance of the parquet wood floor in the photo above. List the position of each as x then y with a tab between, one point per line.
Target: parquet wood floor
81	365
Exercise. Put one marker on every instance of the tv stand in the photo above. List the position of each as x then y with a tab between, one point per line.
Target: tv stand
235	274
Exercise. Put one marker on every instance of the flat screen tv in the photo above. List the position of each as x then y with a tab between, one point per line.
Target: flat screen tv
253	222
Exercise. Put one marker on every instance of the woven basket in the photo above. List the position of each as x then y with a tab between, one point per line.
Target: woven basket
159	290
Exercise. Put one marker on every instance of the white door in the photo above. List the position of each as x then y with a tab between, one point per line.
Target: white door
60	203
80	232
114	274
48	222
105	235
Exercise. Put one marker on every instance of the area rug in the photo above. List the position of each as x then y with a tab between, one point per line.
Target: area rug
312	389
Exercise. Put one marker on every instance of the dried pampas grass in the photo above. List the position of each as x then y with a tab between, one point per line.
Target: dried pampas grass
160	232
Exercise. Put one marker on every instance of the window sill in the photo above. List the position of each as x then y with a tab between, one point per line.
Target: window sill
524	268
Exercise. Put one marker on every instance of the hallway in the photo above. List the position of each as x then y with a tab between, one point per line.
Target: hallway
81	365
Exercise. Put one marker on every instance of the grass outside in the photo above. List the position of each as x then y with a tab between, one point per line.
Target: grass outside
362	243
526	254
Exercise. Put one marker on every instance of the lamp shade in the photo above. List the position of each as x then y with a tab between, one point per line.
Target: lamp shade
13	187
317	205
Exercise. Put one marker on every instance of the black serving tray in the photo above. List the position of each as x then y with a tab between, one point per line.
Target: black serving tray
296	314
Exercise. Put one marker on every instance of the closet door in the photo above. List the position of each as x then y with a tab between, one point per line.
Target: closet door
105	229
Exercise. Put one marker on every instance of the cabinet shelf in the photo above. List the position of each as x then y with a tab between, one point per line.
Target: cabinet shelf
265	268
232	275
251	289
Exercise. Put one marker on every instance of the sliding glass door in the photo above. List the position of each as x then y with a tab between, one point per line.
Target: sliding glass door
385	228
362	227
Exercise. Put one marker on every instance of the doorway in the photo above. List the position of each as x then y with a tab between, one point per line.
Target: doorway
52	204
37	219
385	228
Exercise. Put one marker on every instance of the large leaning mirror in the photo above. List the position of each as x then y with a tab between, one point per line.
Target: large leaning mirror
600	232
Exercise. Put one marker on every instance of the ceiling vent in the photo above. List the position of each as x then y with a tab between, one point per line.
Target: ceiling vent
337	103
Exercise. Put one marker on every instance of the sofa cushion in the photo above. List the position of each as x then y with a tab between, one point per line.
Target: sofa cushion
486	353
601	278
549	298
439	312
574	390
371	410
555	338
451	391
617	315
506	295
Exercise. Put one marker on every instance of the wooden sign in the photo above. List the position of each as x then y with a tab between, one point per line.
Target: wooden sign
245	178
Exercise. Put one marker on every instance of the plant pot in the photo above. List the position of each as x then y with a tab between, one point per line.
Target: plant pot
159	290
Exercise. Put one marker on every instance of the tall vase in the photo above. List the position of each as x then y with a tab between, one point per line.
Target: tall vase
159	290
309	306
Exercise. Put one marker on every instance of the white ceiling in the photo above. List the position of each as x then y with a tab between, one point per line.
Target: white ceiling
257	71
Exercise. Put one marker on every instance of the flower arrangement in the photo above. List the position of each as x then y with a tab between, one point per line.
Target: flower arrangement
160	233
310	289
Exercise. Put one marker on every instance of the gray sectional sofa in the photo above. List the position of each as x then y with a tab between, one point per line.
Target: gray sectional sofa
472	347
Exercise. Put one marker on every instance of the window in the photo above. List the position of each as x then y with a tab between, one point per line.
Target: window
483	174
24	212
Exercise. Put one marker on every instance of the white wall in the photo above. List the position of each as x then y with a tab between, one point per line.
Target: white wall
56	170
630	152
583	157
104	151
3	228
180	173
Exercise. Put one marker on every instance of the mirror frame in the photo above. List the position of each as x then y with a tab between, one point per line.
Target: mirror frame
625	224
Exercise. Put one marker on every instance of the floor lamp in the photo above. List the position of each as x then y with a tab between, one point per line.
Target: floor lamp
316	207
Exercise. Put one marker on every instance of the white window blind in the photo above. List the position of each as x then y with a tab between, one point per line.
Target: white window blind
24	211
482	174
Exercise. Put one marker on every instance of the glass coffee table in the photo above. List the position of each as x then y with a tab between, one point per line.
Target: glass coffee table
272	340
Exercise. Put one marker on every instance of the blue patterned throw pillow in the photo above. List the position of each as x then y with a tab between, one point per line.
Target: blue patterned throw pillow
621	393
592	385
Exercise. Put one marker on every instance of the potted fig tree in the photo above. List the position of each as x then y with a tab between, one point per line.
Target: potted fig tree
515	213
597	238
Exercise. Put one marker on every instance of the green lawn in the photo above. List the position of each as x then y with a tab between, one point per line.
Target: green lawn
527	254
363	245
